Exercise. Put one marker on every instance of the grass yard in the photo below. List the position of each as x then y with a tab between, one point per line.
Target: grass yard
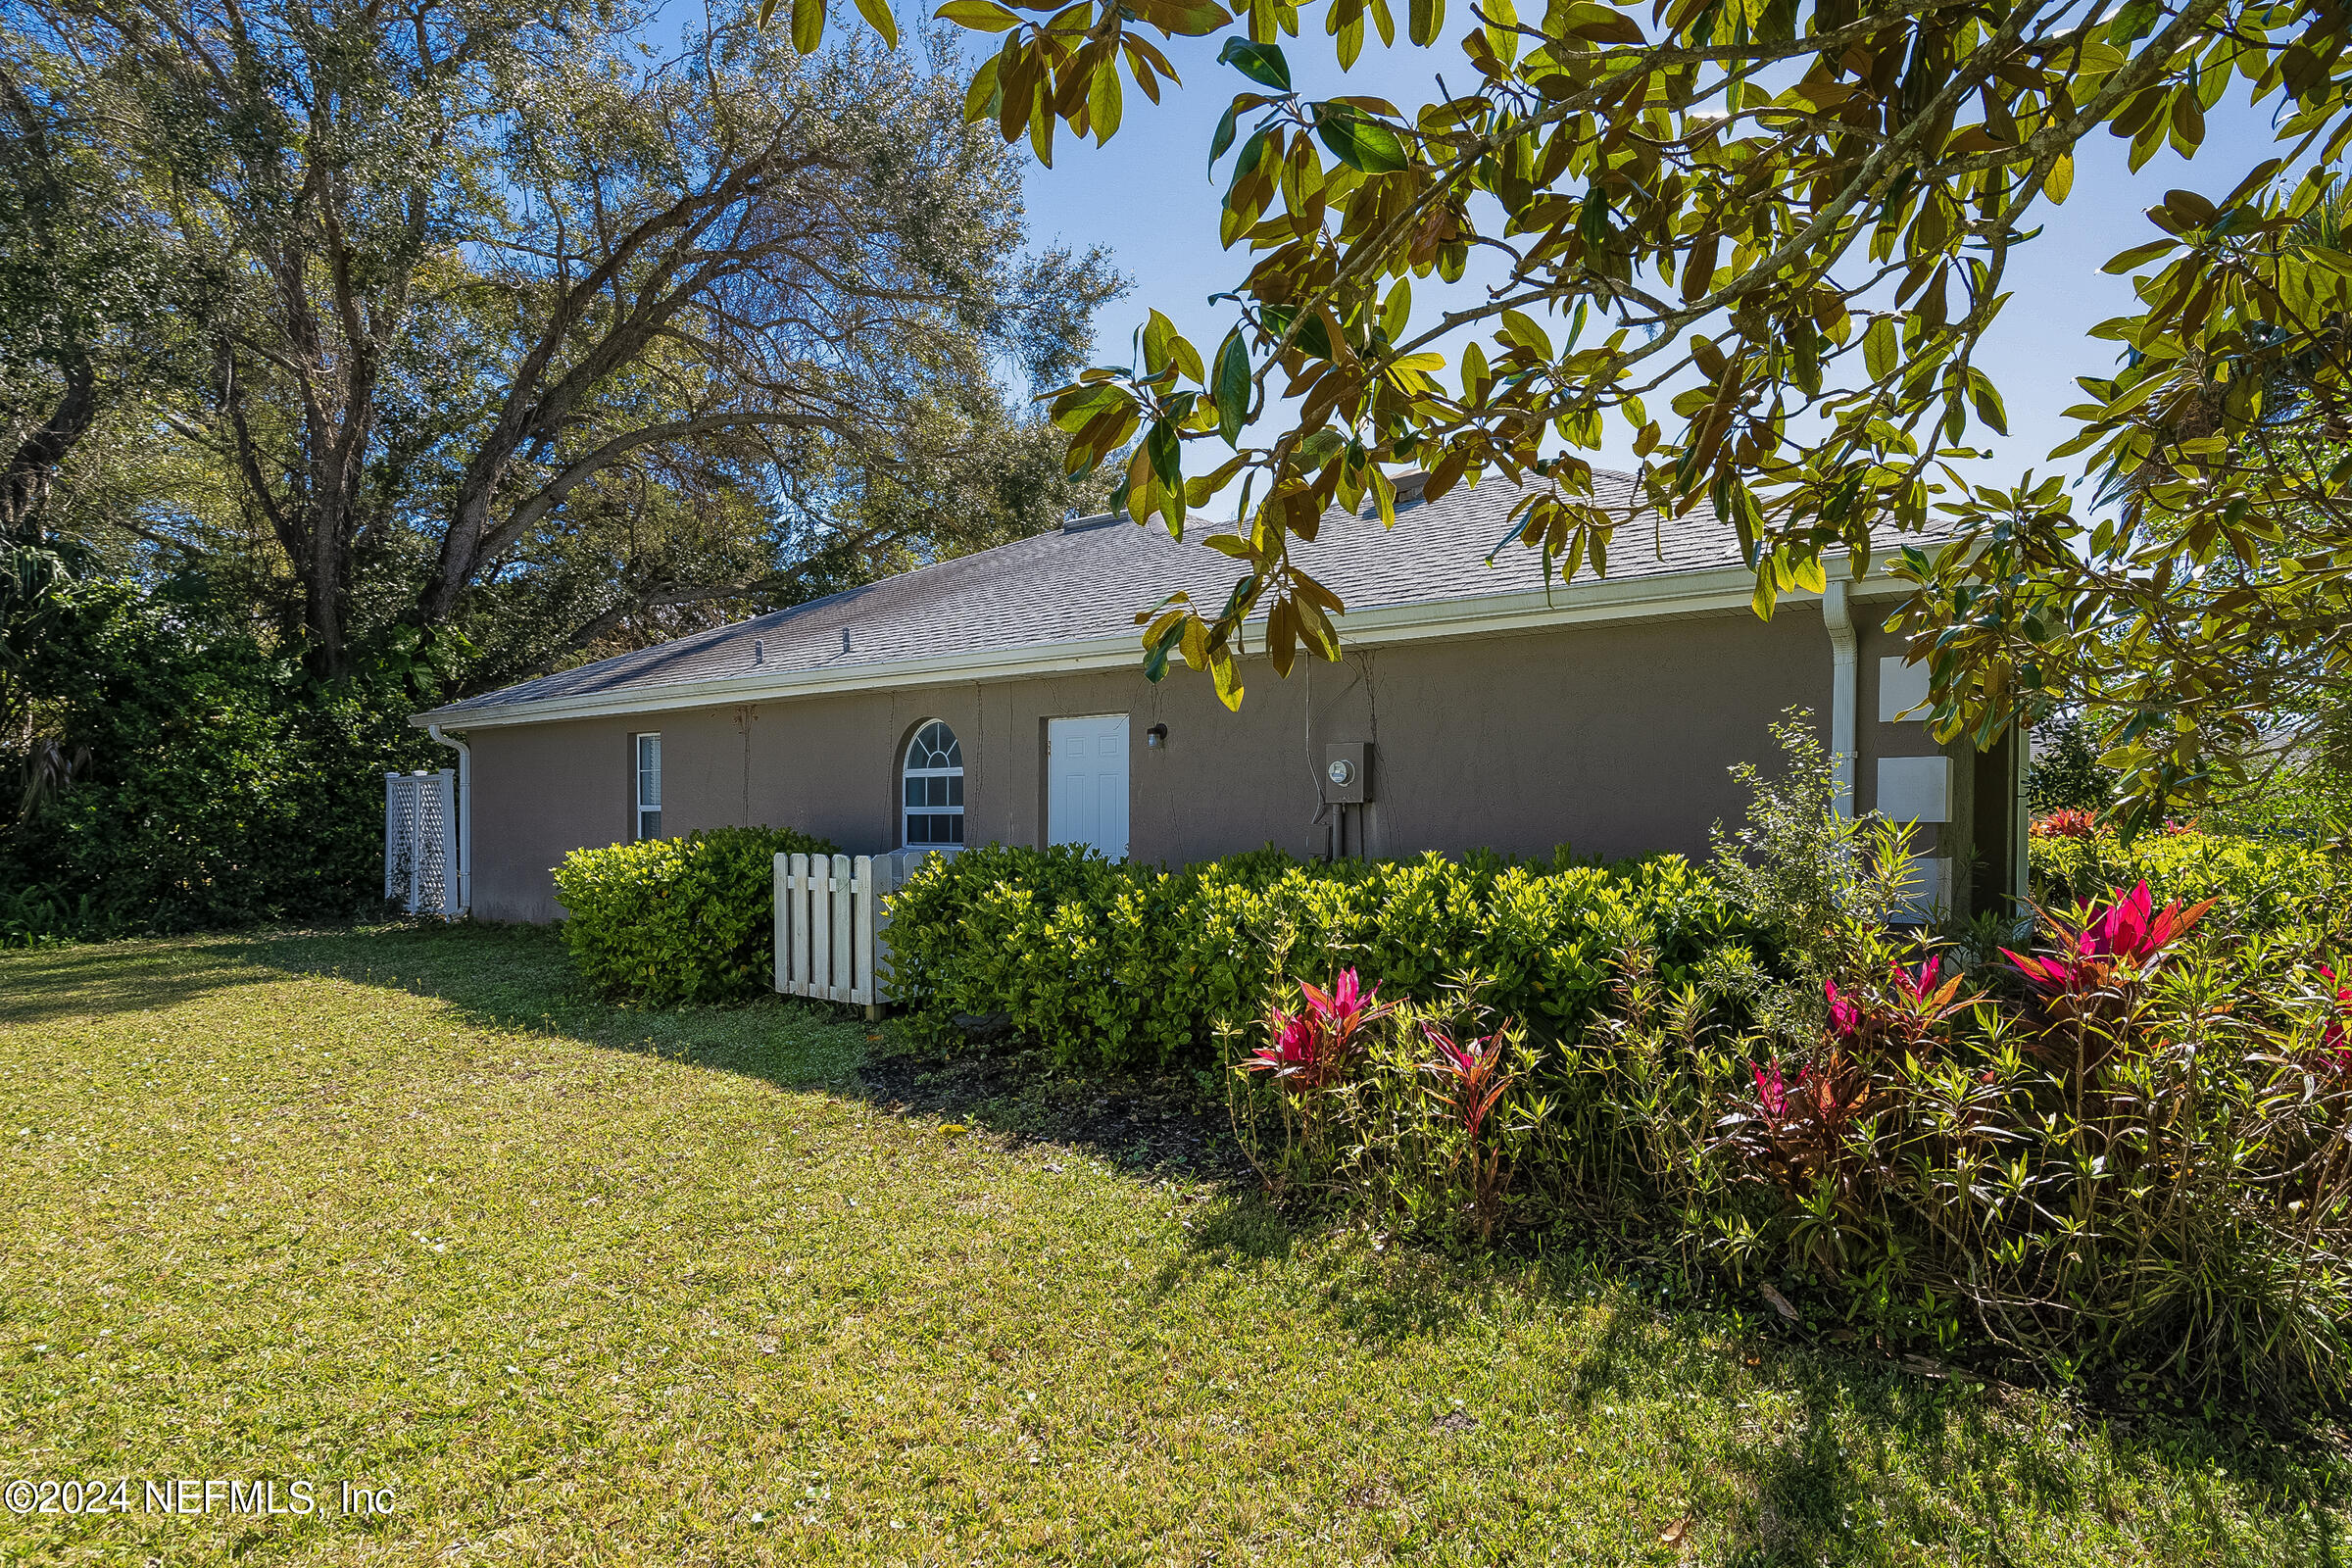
580	1285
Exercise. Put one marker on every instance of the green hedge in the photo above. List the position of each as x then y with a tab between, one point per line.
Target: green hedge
2259	884
678	921
1132	967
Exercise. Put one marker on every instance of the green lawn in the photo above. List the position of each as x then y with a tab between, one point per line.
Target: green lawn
581	1285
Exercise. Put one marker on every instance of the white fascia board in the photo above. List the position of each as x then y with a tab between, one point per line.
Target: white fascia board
1689	593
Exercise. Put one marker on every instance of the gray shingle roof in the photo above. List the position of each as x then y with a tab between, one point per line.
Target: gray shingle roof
1088	581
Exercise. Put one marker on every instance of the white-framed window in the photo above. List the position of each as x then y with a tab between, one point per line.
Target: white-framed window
931	787
648	787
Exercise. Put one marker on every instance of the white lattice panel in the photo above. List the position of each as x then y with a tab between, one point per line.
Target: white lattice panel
420	843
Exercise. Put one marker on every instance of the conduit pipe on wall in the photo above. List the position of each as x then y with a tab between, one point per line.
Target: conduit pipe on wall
1838	616
464	817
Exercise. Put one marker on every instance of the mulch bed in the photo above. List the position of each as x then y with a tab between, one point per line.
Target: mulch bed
1159	1125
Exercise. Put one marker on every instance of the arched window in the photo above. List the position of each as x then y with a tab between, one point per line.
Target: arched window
934	787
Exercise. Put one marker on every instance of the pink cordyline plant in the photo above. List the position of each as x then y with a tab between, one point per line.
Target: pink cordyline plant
1900	1017
1475	1082
1311	1047
1918	984
1845	1016
2130	931
2332	1043
1473	1074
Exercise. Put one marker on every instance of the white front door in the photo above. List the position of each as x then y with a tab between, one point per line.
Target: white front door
1086	783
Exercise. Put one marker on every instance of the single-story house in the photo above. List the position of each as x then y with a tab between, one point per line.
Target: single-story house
1000	696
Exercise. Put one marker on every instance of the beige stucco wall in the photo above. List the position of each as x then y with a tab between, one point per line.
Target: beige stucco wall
1613	739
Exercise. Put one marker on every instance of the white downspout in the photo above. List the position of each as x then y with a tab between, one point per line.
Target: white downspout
464	817
2021	857
1838	617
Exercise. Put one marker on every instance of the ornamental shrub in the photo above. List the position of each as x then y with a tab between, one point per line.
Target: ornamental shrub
1138	967
670	921
2120	1158
199	780
2258	884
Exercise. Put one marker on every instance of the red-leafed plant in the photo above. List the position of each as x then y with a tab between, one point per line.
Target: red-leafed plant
2130	931
2068	822
1313	1054
2333	1054
1471	1080
1313	1047
1899	1015
2087	986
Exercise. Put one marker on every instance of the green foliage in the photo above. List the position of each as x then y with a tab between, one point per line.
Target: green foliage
187	780
1128	966
2121	1160
983	1294
2261	885
524	470
2068	776
669	922
1791	224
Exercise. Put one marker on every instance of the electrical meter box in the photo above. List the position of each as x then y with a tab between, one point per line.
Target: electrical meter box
1347	772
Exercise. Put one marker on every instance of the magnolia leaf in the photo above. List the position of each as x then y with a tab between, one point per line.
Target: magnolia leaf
1223	137
877	14
1397	313
1362	144
1261	62
1104	101
1475	376
1312	339
1158	333
1523	329
1155	659
980	16
1196	642
1222	671
807	26
1879	347
2060	181
1231	389
1160	448
980	100
1281	637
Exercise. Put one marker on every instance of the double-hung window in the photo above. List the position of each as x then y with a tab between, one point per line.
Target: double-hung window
648	787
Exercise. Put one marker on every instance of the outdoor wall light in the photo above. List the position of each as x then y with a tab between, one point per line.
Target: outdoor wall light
1155	736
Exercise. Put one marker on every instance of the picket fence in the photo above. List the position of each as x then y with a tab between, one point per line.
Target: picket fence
831	920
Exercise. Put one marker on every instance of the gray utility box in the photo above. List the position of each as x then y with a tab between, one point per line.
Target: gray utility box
1347	772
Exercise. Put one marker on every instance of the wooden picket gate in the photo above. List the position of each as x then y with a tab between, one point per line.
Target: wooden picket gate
831	916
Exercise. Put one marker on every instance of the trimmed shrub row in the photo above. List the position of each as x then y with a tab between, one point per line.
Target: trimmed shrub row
2259	884
1133	966
689	919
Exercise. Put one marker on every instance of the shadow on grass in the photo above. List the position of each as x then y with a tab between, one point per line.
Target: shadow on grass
517	977
95	980
1790	1497
1874	1449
